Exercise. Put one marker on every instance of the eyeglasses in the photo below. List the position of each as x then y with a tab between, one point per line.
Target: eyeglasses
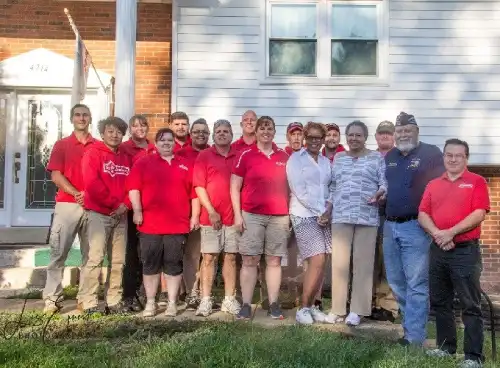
200	132
313	138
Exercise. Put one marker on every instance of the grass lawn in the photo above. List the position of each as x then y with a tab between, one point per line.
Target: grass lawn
128	342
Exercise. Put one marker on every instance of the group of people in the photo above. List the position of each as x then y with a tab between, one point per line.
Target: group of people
405	212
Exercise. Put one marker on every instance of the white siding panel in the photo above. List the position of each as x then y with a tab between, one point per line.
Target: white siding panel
444	67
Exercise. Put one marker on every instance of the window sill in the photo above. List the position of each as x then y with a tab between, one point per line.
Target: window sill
313	81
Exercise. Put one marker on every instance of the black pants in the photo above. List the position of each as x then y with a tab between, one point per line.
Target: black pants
132	271
457	271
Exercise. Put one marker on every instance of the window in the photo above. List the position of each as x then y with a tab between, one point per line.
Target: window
325	41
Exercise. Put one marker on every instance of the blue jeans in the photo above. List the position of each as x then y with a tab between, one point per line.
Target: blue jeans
406	258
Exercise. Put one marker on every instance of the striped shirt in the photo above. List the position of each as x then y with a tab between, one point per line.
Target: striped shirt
354	182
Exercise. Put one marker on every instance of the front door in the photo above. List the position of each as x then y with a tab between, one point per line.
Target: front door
42	119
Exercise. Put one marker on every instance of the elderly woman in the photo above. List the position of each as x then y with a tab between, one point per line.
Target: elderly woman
259	195
309	175
358	183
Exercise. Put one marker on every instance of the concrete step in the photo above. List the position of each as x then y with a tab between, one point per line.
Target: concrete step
23	235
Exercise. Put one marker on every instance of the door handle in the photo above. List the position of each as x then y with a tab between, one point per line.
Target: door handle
17	167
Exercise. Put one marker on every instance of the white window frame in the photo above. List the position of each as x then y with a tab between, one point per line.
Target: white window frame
323	47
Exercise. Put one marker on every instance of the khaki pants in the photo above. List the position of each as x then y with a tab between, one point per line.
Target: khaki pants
69	220
107	236
382	293
361	241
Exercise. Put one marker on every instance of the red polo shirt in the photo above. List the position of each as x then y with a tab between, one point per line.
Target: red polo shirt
449	202
134	151
178	146
340	148
166	193
265	185
212	171
66	157
190	153
240	145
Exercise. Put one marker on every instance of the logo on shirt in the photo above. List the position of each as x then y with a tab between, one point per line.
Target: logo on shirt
414	163
392	164
464	185
183	167
112	169
279	163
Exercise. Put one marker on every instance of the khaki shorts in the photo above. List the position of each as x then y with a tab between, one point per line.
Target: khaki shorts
264	235
218	241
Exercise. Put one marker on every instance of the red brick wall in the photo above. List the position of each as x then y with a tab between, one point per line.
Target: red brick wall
490	236
31	24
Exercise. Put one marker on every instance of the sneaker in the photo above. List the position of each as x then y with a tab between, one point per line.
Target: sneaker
149	310
275	311
230	305
51	307
162	299
193	301
133	304
404	342
304	317
171	310
119	308
438	353
469	363
245	312
205	308
317	314
352	319
92	311
333	318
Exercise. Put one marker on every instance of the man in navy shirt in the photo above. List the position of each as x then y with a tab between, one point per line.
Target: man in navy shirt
409	167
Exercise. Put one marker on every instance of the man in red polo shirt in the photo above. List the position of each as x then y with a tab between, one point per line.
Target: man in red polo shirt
161	191
69	216
332	142
212	174
259	194
179	123
295	137
105	169
247	124
451	211
136	147
192	254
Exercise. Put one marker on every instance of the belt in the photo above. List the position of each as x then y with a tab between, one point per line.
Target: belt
401	219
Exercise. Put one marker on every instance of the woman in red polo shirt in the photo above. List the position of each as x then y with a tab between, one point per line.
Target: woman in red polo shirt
260	195
161	191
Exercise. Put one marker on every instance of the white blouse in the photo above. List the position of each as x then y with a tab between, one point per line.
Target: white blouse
308	181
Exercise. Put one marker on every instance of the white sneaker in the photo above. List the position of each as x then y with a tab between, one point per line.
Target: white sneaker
317	315
149	309
51	307
469	363
352	319
303	316
171	310
205	308
333	318
230	305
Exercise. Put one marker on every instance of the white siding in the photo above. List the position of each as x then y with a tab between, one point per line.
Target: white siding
444	67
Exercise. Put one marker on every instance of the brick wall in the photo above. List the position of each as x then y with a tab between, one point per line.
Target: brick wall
31	24
490	236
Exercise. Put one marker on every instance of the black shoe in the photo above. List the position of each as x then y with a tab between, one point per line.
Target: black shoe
162	299
95	311
403	342
119	308
192	303
319	304
132	305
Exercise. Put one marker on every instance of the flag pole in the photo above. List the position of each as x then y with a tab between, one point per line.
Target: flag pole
77	34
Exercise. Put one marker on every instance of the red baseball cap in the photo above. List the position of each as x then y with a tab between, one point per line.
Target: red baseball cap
294	126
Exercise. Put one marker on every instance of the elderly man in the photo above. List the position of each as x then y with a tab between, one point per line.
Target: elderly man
385	306
294	137
211	179
452	210
409	168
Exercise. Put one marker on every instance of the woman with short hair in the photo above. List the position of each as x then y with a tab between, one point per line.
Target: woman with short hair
358	183
309	176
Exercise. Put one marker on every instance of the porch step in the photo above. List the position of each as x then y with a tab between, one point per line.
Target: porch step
23	235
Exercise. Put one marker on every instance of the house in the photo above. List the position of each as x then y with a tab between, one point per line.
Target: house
322	60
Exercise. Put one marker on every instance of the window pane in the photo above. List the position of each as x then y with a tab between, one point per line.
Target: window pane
292	57
354	58
293	21
354	21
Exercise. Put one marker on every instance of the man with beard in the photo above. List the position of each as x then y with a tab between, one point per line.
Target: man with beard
409	168
332	142
248	121
179	123
295	137
199	135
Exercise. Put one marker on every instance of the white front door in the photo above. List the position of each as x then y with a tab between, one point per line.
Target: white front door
42	119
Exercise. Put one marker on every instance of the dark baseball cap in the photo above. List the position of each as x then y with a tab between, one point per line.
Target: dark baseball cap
332	126
405	119
385	127
294	126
